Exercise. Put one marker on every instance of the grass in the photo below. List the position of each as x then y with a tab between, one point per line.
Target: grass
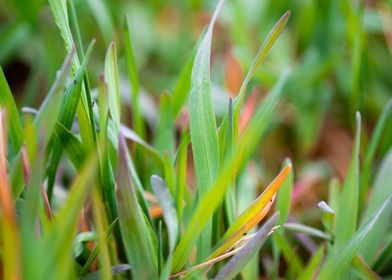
99	184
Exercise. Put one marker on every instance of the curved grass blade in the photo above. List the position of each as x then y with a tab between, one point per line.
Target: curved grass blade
261	55
337	263
73	147
283	202
204	137
136	235
252	215
239	260
307	230
14	123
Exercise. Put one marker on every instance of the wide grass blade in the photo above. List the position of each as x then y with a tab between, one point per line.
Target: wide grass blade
203	130
337	263
382	187
237	263
136	235
283	201
347	211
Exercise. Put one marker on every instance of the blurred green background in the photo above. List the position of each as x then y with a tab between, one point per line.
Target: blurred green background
338	51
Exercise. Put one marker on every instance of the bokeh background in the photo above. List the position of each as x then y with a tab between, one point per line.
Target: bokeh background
338	52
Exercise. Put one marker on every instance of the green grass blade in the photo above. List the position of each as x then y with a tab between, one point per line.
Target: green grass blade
73	147
371	150
283	202
314	263
183	86
311	231
14	123
169	210
132	72
240	259
111	78
381	189
338	262
59	245
138	244
261	55
67	115
203	131
347	211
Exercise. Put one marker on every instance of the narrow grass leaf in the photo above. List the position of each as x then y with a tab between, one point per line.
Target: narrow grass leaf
138	244
111	78
307	230
337	263
239	260
283	202
169	210
311	269
132	72
371	150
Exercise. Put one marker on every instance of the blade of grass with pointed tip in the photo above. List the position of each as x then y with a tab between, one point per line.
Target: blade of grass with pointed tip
14	123
239	260
133	78
347	210
381	189
59	245
138	244
111	78
371	150
338	262
164	138
261	55
169	211
182	156
228	150
212	199
73	147
252	215
204	137
314	263
183	86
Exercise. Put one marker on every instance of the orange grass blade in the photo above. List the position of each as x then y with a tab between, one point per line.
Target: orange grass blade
252	215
